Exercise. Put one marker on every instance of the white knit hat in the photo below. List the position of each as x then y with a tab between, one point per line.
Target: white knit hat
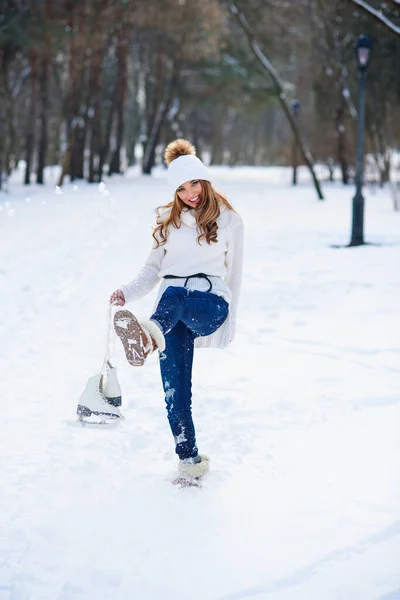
186	167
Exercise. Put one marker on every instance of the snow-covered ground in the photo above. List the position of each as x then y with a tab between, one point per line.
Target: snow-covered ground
300	415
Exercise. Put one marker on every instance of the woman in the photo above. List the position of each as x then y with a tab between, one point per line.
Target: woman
197	253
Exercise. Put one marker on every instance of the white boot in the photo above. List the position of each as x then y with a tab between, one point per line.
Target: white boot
93	406
156	335
194	470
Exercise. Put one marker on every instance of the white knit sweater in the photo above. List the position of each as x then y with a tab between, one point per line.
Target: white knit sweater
182	255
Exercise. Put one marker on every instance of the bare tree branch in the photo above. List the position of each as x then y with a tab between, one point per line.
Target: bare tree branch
378	16
280	91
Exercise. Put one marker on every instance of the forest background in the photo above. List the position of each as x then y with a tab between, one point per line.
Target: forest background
96	86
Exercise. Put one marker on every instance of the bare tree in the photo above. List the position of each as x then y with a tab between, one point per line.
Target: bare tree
378	16
31	115
279	86
44	90
120	96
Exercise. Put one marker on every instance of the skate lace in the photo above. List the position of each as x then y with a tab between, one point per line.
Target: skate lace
106	366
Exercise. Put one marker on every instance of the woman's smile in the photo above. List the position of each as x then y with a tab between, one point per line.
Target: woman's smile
190	192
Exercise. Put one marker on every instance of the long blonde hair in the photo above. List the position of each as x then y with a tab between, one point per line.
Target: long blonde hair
207	213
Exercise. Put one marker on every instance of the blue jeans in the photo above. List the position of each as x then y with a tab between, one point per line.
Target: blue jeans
182	316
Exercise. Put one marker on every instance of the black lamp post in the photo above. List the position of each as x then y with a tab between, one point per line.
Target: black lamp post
363	54
295	110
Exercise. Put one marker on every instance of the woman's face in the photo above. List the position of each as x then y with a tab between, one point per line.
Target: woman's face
190	192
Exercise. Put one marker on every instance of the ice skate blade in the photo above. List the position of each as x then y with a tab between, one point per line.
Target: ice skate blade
96	421
92	417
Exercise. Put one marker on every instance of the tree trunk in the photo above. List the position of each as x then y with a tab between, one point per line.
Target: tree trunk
395	190
72	102
3	86
162	111
122	58
382	154
66	160
155	82
95	124
195	129
341	141
330	163
105	149
71	124
216	144
32	110
133	112
44	114
95	86
79	150
11	152
344	101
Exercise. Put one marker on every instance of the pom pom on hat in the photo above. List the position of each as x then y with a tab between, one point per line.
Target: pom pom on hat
183	164
177	148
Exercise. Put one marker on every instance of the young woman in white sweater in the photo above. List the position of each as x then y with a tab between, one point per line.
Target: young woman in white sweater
197	254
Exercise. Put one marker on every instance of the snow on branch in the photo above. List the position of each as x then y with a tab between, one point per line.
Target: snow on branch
378	16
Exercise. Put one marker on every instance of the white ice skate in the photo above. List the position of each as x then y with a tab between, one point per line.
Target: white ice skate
100	407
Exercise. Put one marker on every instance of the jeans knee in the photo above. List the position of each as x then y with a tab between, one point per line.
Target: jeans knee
174	295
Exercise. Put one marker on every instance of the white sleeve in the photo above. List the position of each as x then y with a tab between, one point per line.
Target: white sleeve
147	278
234	263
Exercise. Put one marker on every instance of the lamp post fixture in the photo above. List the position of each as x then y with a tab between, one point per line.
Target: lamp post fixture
295	110
363	54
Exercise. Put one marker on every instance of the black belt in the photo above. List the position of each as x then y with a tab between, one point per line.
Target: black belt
187	277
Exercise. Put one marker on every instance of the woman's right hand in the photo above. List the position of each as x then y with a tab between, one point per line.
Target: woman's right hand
117	298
